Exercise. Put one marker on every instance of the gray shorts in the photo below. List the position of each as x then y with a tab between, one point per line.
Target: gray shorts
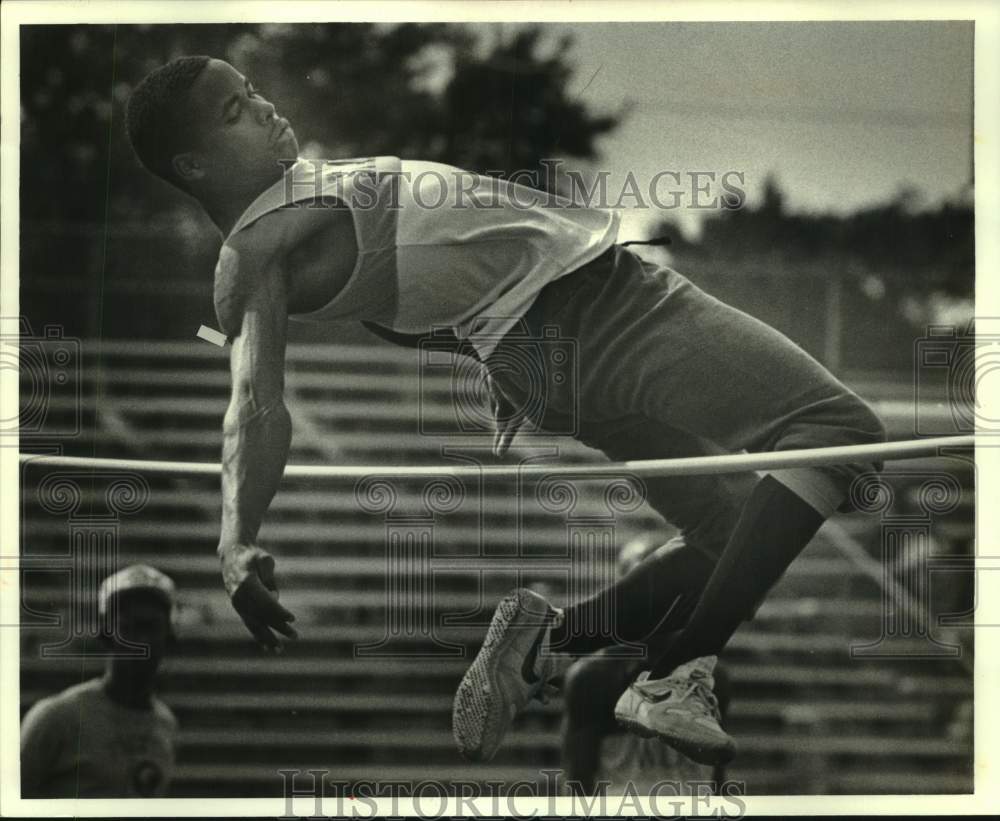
661	369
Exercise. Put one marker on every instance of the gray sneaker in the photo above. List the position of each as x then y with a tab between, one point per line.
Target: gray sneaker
512	667
681	710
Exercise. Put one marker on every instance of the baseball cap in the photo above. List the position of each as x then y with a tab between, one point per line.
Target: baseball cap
137	577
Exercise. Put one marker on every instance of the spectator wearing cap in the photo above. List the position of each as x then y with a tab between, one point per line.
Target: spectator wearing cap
110	737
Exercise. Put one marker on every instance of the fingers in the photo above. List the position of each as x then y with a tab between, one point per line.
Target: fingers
494	395
266	608
287	630
261	613
265	569
265	638
507	429
508	419
505	437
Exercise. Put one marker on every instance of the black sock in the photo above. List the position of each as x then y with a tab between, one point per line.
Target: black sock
774	527
638	604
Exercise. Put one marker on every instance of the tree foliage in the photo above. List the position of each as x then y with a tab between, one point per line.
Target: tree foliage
357	89
913	248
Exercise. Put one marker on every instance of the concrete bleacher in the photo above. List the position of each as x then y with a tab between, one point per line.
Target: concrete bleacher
808	717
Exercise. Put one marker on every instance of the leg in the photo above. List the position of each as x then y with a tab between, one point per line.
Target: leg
674	700
774	528
783	399
528	643
658	346
660	593
652	344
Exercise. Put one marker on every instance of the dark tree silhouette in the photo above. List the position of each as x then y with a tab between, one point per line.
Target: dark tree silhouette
510	110
350	89
918	250
94	224
855	290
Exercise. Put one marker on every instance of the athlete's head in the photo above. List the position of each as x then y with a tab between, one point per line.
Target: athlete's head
137	605
200	124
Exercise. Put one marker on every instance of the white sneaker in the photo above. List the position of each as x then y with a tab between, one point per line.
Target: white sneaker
512	667
680	709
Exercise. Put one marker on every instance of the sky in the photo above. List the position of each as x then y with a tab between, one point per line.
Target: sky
844	114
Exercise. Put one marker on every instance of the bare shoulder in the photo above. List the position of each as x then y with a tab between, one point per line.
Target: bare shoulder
282	231
243	260
314	240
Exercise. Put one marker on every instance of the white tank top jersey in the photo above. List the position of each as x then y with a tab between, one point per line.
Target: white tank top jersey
442	247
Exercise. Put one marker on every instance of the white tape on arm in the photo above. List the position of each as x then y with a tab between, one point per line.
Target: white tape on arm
212	335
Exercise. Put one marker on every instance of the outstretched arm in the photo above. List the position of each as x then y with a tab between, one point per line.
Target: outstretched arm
256	436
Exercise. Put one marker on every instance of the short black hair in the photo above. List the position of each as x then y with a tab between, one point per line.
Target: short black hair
154	116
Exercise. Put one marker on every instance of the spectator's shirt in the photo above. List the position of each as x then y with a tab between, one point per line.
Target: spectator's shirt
81	744
439	247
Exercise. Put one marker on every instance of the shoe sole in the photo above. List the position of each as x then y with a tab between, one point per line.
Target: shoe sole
701	753
479	714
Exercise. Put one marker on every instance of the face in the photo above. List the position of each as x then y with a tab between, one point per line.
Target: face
240	139
143	619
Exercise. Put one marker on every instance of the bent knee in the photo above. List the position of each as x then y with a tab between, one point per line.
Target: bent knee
867	424
867	428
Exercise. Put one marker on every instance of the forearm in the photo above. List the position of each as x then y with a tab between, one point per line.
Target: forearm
254	454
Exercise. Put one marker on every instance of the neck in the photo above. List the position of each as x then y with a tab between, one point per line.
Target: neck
128	690
225	208
226	212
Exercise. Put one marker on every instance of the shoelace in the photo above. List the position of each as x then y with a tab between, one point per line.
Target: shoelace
705	698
